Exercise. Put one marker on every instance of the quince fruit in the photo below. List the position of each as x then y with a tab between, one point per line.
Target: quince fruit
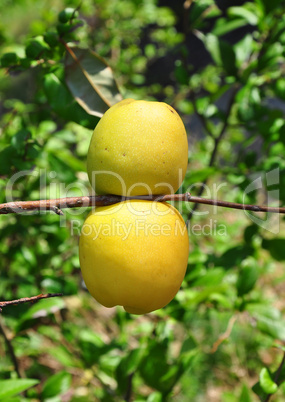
138	148
134	254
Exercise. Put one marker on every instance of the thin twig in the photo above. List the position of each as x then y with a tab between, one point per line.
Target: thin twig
128	395
225	335
11	351
27	299
57	204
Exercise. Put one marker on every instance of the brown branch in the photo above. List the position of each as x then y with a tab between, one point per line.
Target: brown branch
225	335
10	350
57	204
27	299
128	395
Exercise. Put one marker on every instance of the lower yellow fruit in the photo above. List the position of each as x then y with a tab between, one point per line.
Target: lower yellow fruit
134	254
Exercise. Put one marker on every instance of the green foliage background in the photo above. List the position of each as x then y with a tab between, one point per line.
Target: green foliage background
222	68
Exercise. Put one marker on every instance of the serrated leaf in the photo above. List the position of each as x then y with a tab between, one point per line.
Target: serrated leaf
11	387
91	81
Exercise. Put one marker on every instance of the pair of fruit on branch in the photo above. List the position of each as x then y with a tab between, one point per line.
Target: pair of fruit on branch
135	253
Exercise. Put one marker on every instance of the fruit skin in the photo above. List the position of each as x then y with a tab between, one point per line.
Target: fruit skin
138	142
140	267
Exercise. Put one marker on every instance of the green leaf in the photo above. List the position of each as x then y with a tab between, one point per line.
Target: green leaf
212	277
266	382
57	384
154	367
9	59
234	256
92	346
36	47
91	81
10	388
188	352
280	88
249	104
223	26
245	394
276	248
203	9
51	38
271	56
273	326
155	397
199	175
42	308
128	365
63	103
66	14
249	16
243	49
221	52
18	141
64	172
268	5
249	233
248	276
279	374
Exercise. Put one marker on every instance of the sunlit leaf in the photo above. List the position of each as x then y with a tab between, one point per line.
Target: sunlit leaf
266	382
42	309
249	16
56	385
12	387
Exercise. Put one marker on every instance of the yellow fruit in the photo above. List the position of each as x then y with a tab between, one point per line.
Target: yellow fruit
134	254
138	148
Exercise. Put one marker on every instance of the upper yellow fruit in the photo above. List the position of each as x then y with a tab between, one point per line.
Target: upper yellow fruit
138	148
134	254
